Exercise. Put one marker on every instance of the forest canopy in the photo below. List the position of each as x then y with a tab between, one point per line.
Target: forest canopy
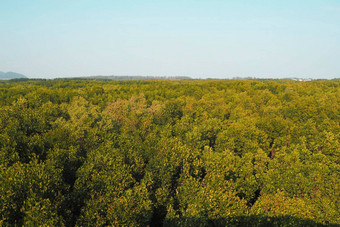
171	153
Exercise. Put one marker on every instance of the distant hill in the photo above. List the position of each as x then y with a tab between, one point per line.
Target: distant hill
134	78
11	75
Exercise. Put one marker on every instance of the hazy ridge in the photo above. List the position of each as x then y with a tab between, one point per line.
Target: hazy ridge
11	75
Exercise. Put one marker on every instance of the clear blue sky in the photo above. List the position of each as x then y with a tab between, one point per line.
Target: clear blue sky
210	38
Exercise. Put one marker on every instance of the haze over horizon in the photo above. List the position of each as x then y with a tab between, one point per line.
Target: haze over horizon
200	39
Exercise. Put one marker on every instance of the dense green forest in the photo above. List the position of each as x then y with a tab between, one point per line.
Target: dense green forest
171	153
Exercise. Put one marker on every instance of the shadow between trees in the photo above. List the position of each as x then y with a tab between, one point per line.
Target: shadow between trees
243	221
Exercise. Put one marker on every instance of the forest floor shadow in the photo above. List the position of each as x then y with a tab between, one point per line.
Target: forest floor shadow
244	221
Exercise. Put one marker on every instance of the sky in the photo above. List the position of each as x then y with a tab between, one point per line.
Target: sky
196	38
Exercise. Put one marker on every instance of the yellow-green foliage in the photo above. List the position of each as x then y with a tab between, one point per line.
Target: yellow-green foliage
173	153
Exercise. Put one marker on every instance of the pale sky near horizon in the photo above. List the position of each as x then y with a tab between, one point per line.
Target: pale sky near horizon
211	38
